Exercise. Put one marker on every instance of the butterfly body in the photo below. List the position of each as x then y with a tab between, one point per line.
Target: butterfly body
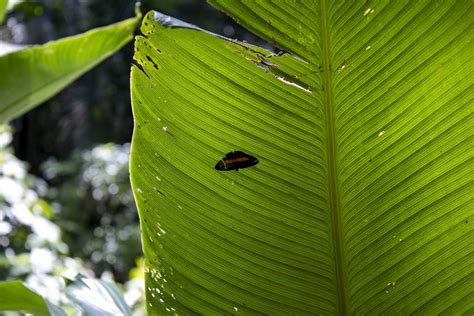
236	160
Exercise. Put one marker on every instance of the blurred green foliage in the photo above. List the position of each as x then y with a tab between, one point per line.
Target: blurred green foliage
41	242
31	247
95	207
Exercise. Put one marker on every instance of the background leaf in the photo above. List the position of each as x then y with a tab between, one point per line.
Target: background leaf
97	297
17	297
360	202
3	9
32	75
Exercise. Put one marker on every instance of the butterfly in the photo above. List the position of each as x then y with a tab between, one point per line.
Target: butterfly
236	160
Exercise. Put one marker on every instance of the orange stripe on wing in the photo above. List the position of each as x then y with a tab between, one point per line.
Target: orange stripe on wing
232	161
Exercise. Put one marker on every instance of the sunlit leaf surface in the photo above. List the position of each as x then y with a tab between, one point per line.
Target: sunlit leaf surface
15	296
32	75
3	8
361	202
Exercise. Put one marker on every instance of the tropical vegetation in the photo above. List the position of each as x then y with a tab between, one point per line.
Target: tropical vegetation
361	120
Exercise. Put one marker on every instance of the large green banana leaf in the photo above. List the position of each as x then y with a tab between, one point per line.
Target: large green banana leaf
361	202
32	75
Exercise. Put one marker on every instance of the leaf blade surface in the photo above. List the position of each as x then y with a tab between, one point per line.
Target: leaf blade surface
32	75
262	239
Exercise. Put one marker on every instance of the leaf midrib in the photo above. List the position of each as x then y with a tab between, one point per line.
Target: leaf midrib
334	201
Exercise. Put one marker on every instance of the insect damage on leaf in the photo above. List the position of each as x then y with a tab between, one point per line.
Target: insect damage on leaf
236	160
